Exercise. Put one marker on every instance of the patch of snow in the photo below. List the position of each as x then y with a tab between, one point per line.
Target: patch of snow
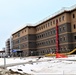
45	65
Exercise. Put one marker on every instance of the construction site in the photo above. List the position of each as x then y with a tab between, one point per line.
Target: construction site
38	37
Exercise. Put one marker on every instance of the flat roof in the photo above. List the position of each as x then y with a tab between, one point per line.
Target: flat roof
23	27
2	51
63	10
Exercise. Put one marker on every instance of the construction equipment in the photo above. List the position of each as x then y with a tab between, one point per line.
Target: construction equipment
68	53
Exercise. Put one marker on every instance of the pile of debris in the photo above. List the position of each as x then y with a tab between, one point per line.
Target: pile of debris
10	72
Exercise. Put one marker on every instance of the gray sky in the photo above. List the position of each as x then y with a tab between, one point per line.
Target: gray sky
16	13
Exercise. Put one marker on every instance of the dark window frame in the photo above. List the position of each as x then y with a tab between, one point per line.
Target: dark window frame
73	15
75	37
74	26
63	18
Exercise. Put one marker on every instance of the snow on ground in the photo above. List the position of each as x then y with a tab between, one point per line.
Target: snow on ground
15	60
48	65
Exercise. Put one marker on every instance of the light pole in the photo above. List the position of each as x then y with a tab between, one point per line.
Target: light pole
5	60
4	55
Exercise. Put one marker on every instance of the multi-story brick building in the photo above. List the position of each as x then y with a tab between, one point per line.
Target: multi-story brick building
8	47
41	38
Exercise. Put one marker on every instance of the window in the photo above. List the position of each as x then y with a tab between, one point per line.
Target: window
74	26
48	24
15	35
54	31
60	19
75	37
37	36
63	28
64	48
60	29
61	48
42	43
64	38
18	41
54	41
54	22
18	34
73	15
51	23
47	42
51	41
42	35
63	18
39	28
44	26
48	32
60	39
51	31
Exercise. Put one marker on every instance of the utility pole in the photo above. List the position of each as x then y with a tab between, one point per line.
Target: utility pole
4	63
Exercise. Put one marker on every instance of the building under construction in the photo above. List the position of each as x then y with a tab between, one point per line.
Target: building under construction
56	33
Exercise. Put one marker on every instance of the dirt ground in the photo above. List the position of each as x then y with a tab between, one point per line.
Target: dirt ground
10	72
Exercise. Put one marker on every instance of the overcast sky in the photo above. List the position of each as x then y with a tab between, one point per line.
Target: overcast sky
16	13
